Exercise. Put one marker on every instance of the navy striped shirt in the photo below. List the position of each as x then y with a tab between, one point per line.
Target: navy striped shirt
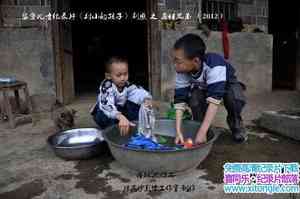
213	76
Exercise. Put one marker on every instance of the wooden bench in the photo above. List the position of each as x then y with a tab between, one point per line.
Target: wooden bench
14	87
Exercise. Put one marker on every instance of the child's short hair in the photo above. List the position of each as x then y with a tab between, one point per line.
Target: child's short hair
192	45
114	59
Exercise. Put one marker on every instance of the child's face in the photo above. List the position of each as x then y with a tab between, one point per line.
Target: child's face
183	64
119	74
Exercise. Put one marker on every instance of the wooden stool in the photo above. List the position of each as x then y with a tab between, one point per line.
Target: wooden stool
5	88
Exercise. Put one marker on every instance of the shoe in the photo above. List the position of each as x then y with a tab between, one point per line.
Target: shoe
240	136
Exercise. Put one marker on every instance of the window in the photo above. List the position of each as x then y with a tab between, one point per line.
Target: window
214	10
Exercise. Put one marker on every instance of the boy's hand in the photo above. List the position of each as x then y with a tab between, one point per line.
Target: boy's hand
179	138
201	138
148	103
124	124
190	111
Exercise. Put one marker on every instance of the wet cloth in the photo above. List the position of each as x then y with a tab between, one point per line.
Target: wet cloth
146	122
139	141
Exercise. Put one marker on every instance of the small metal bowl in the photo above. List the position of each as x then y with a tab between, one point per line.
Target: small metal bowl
74	144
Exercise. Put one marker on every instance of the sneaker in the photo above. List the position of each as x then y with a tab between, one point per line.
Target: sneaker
240	136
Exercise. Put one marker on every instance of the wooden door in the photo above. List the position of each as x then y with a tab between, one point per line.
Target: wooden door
63	51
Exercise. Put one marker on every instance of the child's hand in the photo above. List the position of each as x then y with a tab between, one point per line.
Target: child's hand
190	111
201	138
148	103
124	124
179	138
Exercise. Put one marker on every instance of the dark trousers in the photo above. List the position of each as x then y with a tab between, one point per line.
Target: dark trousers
234	101
130	110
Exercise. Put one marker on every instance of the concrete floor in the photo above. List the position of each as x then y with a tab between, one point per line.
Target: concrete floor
29	169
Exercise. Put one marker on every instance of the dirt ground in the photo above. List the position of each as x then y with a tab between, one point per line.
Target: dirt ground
30	169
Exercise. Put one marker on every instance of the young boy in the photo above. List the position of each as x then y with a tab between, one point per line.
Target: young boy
203	80
118	100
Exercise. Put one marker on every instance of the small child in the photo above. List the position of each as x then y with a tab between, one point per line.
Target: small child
118	100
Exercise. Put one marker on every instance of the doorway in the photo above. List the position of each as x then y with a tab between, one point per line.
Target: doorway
283	25
94	41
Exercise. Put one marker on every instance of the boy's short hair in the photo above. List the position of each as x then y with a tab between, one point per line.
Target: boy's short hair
114	59
192	45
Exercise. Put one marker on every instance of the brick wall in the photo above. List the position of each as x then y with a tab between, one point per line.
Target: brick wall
26	49
193	7
254	12
11	12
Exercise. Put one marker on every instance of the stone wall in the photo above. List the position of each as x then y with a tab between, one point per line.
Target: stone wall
250	54
26	45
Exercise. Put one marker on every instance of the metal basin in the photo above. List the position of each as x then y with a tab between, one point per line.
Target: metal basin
176	161
81	143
